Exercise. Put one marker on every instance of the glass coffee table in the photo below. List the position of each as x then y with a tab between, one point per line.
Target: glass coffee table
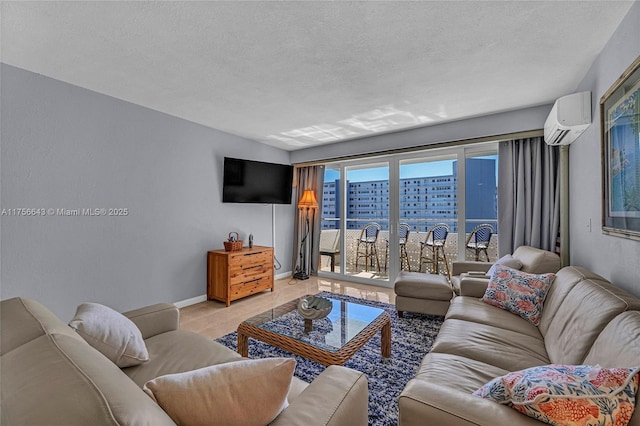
331	340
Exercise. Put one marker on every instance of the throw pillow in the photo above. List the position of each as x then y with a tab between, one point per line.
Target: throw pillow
568	394
518	292
506	260
111	333
247	392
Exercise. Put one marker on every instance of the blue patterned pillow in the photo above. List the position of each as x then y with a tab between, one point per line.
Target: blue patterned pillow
568	394
518	292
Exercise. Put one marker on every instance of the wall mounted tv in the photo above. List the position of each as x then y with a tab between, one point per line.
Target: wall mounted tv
246	181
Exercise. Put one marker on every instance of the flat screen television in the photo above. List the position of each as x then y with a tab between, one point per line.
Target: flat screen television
246	181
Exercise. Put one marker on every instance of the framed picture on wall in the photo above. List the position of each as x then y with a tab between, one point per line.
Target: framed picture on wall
620	139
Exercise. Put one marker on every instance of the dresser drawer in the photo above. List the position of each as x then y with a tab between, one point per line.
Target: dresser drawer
249	260
249	274
250	287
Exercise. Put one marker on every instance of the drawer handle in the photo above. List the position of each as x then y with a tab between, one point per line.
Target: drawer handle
252	254
252	267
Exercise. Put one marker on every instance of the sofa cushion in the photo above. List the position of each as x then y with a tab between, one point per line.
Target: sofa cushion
566	279
506	260
472	284
618	344
418	285
472	309
537	261
61	380
586	310
518	292
23	320
181	350
176	352
562	394
247	392
111	333
155	319
505	349
441	394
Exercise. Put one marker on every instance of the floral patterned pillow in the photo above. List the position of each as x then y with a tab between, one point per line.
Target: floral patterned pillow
518	292
568	394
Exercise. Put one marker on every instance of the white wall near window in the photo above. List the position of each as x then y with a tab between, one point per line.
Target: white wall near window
614	258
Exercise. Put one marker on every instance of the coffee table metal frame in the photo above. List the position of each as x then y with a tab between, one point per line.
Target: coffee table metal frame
325	357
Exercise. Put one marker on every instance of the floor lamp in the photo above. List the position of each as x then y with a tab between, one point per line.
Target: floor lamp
307	201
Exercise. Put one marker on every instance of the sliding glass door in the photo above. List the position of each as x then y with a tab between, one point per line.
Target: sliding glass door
367	221
428	202
481	206
406	212
330	232
354	239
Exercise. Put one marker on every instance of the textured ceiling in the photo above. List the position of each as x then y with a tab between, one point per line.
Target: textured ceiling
298	74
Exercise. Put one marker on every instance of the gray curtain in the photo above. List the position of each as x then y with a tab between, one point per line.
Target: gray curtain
311	177
528	195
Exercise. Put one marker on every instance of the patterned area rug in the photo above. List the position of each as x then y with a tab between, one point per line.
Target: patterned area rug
411	339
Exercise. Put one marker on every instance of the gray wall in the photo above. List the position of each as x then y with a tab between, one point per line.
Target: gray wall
67	147
617	259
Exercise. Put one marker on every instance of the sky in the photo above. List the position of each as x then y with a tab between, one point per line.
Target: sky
415	170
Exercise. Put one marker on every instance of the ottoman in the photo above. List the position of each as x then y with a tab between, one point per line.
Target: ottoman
422	293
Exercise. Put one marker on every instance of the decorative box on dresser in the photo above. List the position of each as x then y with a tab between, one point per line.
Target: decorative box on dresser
232	275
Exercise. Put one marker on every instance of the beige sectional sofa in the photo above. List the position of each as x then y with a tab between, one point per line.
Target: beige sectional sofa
585	320
468	278
51	376
432	293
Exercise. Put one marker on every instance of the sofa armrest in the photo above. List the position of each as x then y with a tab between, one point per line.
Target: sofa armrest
155	319
338	396
461	267
473	285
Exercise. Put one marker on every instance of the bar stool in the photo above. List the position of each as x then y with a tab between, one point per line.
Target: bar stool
367	245
434	243
403	236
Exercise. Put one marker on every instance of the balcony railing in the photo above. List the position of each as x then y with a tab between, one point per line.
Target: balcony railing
347	256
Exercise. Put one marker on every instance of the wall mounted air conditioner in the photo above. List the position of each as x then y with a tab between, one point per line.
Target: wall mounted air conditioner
569	117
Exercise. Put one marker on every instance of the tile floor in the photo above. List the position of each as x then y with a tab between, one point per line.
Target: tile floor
213	319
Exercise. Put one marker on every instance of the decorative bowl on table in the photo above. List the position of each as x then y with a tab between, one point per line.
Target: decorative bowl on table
313	307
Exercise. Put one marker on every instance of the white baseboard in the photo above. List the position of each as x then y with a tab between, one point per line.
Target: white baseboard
203	298
192	301
283	275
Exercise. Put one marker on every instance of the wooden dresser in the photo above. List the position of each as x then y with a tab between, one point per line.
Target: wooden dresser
233	275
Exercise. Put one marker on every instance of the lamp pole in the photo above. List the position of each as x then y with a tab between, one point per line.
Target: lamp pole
303	273
307	201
